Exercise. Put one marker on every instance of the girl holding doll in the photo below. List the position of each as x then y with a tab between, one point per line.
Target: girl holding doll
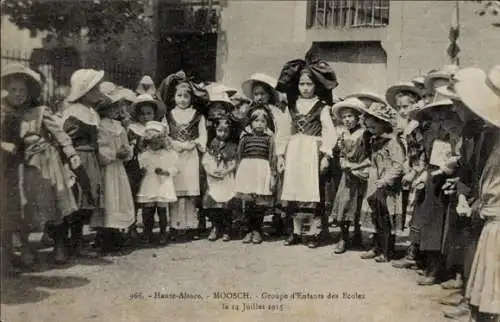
39	147
256	170
159	165
383	196
188	134
354	163
219	163
309	88
143	109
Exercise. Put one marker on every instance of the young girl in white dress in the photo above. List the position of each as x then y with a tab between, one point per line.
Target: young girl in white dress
255	177
159	164
309	149
189	138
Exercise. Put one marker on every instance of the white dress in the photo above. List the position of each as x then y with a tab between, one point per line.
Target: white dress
301	178
119	212
158	188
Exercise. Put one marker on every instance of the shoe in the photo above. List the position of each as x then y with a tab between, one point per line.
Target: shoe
453	299
420	272
403	263
257	237
226	238
248	238
163	239
372	253
292	240
340	248
381	259
453	284
426	281
313	242
460	311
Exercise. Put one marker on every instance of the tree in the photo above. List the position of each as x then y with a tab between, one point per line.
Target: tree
98	19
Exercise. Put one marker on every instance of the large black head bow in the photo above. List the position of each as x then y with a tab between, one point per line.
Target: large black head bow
166	90
322	72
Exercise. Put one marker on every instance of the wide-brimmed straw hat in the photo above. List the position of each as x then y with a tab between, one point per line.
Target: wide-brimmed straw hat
383	112
480	92
393	91
351	103
127	94
367	97
32	77
82	81
147	99
270	81
444	73
419	111
218	87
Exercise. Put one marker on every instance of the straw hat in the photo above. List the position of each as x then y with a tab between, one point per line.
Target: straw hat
127	94
393	91
82	81
368	98
480	92
350	103
448	92
146	98
443	74
383	112
418	111
221	88
32	77
270	81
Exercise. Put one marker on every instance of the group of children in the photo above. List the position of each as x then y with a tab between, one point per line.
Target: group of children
185	151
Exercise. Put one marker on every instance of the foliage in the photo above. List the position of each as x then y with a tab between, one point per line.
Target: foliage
97	19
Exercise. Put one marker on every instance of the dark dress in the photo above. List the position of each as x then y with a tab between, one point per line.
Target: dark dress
353	148
10	197
81	123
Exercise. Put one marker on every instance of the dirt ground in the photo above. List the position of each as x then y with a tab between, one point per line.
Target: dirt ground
178	283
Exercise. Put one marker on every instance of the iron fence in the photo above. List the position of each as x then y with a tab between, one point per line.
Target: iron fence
57	73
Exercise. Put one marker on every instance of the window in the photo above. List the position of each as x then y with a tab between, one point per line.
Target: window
342	14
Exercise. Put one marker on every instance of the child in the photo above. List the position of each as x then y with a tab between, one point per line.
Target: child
81	122
189	138
143	110
114	150
309	150
383	196
255	176
146	86
353	146
261	89
40	142
219	163
159	164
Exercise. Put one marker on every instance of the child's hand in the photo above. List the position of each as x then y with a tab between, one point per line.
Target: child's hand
407	179
75	162
281	164
272	183
324	164
463	208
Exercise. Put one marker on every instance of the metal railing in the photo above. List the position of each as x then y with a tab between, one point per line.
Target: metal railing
56	74
345	14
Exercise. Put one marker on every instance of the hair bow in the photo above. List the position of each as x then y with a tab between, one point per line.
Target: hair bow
166	90
322	72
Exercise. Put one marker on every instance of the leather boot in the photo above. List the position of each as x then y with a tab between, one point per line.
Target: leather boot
409	260
293	239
